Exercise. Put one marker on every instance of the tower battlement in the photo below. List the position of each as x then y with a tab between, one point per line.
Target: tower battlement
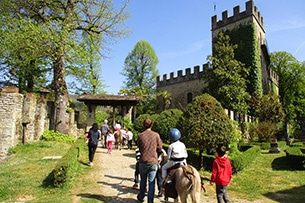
251	11
197	73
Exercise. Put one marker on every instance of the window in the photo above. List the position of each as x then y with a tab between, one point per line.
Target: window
189	97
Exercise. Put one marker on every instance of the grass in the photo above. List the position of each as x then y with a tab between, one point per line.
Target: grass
268	177
24	175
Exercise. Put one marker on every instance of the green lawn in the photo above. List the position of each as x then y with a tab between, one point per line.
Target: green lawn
24	177
268	176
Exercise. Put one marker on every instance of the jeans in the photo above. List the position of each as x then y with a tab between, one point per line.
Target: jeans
221	193
147	172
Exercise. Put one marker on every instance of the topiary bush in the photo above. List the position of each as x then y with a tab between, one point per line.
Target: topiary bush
166	120
243	160
68	165
204	124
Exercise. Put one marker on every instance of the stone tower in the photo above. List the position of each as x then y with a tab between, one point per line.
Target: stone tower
246	29
252	51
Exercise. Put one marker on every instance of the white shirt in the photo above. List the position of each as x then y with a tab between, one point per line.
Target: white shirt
177	150
129	134
110	137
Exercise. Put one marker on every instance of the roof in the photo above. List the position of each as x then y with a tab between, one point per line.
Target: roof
109	100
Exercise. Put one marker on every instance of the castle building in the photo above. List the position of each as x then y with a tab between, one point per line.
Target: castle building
246	29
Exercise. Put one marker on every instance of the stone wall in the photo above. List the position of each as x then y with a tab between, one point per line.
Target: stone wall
183	87
10	119
23	118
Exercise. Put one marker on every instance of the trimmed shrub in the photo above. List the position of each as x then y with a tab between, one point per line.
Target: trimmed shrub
243	160
167	119
68	165
205	125
297	144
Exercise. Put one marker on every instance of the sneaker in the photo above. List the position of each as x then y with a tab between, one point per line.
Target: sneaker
90	164
135	185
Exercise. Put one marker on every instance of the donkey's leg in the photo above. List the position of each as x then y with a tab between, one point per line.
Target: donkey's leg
183	196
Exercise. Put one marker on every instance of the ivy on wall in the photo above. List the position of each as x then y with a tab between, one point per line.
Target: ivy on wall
248	52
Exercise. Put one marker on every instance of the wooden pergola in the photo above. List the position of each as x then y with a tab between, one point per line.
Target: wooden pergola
128	104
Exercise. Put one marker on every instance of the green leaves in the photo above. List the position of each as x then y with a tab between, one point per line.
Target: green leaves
205	124
140	68
227	83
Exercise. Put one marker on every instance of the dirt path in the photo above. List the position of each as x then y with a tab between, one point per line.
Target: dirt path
111	180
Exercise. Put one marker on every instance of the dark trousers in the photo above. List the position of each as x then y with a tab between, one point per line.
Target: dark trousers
92	149
136	173
159	180
221	194
129	144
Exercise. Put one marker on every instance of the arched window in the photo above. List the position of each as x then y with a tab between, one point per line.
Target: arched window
189	97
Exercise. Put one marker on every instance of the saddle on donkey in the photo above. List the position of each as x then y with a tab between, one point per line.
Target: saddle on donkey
169	183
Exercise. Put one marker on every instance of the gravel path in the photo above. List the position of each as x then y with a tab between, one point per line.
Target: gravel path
112	179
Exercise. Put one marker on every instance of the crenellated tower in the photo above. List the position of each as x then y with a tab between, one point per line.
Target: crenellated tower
246	29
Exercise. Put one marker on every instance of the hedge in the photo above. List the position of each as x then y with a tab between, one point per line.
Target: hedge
241	161
68	165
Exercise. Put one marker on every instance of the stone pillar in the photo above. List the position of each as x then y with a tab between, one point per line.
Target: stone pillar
10	119
41	119
28	117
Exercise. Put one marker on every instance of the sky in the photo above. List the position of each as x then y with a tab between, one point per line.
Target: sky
180	33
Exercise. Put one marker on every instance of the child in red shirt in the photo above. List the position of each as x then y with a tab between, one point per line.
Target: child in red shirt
221	174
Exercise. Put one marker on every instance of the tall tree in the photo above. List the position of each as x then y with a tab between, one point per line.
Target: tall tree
141	73
140	69
66	21
226	81
291	86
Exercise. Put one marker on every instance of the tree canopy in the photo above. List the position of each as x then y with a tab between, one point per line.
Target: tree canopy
205	125
58	30
291	87
140	69
140	73
226	81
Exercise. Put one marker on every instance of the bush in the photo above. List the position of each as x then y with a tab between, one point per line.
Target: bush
243	160
207	161
167	119
68	165
51	135
205	125
266	130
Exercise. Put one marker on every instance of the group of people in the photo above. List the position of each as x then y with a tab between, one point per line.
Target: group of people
107	137
149	154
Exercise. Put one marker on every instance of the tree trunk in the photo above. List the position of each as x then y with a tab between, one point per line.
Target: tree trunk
61	97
